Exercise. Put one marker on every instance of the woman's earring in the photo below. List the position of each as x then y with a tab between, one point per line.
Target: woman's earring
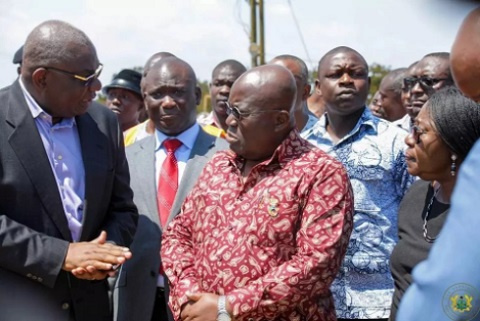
453	166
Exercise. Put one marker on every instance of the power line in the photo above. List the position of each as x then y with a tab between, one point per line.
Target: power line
300	33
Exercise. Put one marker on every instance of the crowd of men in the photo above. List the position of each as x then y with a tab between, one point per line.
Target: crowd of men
281	204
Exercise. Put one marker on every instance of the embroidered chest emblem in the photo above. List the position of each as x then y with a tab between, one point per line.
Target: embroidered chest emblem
272	206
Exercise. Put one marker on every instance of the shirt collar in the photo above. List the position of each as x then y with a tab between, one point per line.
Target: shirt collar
37	111
366	120
187	137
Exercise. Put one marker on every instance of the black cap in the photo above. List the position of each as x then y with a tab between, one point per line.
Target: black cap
126	79
17	58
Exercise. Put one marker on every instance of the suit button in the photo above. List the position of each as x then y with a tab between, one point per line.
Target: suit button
40	280
29	275
34	277
65	306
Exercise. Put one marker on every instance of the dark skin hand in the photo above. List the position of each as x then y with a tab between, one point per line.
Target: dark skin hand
95	260
202	307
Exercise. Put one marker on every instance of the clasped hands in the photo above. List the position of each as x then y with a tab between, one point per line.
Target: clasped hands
95	260
201	307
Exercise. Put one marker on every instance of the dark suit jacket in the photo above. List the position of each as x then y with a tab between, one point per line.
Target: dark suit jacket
34	235
134	293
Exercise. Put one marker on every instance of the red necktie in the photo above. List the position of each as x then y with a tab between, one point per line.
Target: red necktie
168	181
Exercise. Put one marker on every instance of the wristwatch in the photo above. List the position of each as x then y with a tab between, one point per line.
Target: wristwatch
222	314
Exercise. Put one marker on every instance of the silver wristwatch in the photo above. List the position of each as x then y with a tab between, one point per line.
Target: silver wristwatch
222	314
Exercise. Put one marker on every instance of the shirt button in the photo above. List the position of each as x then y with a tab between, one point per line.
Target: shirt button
60	157
65	306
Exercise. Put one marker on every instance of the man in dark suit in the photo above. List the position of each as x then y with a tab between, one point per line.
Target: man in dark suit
66	208
170	95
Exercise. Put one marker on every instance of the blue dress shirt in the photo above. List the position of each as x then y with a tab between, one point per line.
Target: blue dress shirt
63	149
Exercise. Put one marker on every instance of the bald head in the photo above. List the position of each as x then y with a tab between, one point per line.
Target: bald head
231	64
393	80
154	59
465	56
53	43
269	86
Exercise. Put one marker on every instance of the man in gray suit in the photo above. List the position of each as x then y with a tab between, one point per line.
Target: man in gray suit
65	199
171	96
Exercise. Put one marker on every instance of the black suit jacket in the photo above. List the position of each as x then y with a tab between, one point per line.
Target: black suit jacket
34	235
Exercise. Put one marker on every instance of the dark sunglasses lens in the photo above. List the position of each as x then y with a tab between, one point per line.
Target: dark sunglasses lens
428	82
409	82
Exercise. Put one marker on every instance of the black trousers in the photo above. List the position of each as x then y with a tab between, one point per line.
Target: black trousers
160	309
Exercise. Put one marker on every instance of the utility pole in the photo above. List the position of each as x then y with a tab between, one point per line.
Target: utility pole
257	34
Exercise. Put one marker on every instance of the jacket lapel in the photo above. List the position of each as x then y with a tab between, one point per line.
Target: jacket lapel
96	162
27	144
144	167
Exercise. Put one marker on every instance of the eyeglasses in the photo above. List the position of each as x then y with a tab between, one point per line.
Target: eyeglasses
425	81
238	115
416	133
87	81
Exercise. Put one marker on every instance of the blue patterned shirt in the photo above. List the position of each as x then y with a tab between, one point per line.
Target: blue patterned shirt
373	154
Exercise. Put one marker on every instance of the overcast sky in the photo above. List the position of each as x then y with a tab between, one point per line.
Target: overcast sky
205	32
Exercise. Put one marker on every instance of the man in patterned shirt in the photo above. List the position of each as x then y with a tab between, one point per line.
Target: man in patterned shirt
371	149
264	230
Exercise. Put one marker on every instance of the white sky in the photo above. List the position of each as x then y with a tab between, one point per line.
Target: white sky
205	32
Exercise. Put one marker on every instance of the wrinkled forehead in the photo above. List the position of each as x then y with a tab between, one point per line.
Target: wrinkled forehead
347	59
432	67
169	75
227	72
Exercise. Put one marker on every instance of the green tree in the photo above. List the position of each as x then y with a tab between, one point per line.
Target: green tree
205	101
377	72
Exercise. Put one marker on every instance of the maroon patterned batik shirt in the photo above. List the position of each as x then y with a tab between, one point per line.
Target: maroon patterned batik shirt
271	242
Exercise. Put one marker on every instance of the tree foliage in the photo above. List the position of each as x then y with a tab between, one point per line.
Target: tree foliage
377	72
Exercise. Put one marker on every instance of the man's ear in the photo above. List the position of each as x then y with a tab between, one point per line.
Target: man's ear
282	120
317	87
306	91
39	78
198	95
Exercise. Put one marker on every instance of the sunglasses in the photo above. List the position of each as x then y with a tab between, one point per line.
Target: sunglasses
87	81
424	81
238	115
